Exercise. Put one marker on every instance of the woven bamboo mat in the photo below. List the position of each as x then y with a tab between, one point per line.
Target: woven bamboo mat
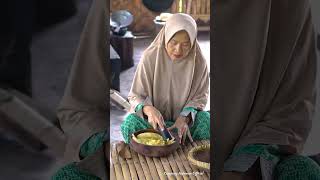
174	166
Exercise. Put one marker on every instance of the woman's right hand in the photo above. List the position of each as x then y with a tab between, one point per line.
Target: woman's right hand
154	117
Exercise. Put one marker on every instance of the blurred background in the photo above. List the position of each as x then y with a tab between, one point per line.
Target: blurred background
30	139
313	144
34	152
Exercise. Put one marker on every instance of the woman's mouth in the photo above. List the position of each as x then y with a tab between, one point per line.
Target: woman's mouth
177	56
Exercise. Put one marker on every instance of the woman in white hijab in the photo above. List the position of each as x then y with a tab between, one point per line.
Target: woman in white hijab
171	83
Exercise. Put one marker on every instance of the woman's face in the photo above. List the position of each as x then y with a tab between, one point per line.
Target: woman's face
179	46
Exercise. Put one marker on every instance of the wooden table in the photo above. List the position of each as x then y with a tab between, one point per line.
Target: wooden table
174	166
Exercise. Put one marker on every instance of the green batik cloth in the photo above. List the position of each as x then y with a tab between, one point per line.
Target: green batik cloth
296	168
273	164
139	107
92	145
267	152
199	131
70	171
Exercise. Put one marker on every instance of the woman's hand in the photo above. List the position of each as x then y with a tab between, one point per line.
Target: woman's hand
183	129
154	117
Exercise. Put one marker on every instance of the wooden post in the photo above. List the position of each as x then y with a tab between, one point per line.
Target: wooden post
189	3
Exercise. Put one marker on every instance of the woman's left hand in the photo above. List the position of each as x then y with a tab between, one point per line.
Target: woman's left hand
183	129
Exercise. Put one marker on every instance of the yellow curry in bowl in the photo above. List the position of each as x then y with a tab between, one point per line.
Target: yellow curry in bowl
152	139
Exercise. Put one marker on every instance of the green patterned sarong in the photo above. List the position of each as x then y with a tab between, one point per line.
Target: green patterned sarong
297	168
71	171
280	167
199	131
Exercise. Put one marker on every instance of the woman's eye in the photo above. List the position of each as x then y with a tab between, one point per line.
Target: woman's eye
173	43
186	44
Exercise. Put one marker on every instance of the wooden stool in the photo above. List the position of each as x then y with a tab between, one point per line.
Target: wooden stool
123	45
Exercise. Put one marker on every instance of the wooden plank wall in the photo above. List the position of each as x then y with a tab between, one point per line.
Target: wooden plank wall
200	9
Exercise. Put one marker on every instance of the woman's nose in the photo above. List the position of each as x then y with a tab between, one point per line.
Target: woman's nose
178	48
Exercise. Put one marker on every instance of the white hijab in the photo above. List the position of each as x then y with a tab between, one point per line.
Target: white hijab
170	85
